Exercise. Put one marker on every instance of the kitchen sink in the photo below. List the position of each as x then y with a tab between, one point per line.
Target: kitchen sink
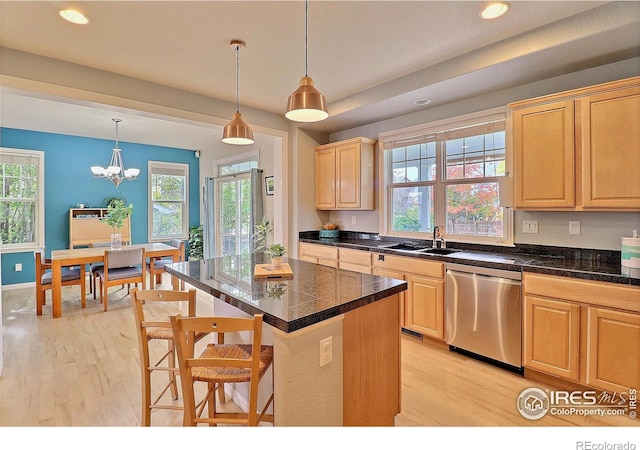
439	251
404	247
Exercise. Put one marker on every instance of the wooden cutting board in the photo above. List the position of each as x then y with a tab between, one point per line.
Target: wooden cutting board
267	271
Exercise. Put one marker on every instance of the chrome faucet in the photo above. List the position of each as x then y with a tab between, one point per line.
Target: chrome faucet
437	236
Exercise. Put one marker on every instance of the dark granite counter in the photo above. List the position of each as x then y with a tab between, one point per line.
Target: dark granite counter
315	293
588	264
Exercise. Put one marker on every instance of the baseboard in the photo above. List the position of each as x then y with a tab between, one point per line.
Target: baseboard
8	287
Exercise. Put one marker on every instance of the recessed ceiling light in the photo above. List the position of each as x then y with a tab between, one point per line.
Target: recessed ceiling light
422	101
73	16
495	9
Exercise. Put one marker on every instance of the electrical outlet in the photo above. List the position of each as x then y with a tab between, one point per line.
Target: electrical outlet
18	267
574	227
326	351
530	226
354	219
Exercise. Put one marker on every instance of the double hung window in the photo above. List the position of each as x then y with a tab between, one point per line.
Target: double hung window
448	176
168	208
22	199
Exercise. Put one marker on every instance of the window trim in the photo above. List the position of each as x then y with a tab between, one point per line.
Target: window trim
40	201
184	168
423	131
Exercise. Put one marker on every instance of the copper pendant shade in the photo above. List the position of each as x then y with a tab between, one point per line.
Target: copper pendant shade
237	132
306	104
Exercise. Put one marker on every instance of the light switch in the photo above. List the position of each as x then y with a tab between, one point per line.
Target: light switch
326	351
530	226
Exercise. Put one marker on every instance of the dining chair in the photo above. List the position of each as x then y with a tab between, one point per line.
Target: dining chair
156	266
221	363
151	310
123	266
71	276
95	267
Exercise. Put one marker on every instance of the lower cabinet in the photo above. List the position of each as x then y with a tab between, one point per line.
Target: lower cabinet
583	331
319	254
422	308
613	343
552	336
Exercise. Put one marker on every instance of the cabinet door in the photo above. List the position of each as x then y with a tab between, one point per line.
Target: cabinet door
425	306
326	178
552	336
611	149
348	176
398	276
613	349
544	155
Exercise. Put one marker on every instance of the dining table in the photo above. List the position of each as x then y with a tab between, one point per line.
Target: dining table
77	256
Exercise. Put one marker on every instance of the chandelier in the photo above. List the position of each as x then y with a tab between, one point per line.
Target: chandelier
115	171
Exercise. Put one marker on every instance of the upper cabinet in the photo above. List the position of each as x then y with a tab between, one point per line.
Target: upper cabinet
579	150
345	175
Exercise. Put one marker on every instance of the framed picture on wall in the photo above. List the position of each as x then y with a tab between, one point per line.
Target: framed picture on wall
269	185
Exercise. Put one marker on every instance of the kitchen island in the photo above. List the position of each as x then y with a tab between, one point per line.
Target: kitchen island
336	337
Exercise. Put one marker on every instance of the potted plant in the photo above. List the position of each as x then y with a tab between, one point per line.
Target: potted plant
196	243
117	213
260	237
275	252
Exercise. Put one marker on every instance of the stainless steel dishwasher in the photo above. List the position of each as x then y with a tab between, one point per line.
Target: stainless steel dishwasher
483	313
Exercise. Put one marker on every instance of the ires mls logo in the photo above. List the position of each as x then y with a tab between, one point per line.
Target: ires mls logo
534	403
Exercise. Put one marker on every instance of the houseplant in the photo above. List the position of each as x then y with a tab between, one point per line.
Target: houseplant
117	213
260	237
195	242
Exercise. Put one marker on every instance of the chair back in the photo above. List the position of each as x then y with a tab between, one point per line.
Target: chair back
114	259
42	265
149	297
184	327
178	243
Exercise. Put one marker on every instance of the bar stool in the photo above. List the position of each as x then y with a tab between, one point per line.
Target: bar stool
221	363
146	308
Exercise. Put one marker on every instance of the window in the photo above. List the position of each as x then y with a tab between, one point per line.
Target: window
168	208
448	174
244	166
22	200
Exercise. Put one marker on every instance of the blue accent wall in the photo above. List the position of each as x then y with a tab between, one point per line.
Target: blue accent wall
69	181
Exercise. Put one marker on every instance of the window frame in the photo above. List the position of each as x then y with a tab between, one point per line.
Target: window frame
440	183
39	242
153	168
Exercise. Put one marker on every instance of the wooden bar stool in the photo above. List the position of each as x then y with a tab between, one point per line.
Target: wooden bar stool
147	306
219	364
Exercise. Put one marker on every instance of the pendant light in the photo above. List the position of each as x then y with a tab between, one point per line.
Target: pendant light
237	132
306	104
115	171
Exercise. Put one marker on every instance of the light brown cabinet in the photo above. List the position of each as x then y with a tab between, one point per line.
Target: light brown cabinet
87	227
552	336
423	304
354	260
344	175
583	331
578	150
613	343
319	254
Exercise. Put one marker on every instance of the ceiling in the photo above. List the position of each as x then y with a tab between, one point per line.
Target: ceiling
370	59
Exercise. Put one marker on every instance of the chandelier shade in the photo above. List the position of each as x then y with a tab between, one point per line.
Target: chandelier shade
115	171
237	131
306	104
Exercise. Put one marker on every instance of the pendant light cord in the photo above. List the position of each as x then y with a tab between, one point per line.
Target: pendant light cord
117	121
237	84
306	38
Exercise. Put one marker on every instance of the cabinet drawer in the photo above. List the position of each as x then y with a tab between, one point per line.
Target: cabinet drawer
582	291
355	267
409	265
319	251
358	257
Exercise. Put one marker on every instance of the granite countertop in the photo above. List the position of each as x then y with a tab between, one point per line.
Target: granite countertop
315	293
597	265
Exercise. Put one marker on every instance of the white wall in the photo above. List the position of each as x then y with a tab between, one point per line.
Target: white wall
599	230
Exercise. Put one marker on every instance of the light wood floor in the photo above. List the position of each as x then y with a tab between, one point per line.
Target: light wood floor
82	370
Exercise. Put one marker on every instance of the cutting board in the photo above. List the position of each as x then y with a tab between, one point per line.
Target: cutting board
267	271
